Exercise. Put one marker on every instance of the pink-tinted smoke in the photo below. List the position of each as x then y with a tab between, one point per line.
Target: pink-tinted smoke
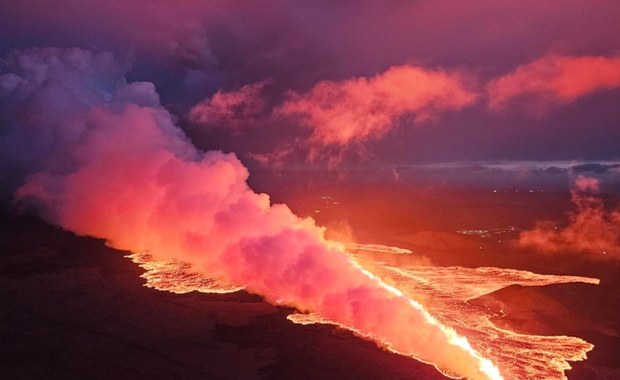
231	109
125	173
359	109
555	79
593	230
341	116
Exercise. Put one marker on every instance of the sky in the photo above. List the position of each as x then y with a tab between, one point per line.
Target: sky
360	83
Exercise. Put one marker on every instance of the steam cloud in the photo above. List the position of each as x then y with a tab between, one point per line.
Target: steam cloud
594	231
343	114
555	79
339	117
231	109
101	157
358	109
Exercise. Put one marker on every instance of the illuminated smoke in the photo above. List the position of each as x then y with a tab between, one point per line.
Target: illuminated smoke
232	109
342	115
555	79
593	231
110	163
446	292
358	109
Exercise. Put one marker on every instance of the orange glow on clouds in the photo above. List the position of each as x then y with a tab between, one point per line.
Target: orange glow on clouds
232	109
556	79
358	109
444	293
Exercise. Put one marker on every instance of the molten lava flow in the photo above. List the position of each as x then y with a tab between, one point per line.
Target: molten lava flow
377	248
178	277
486	366
444	292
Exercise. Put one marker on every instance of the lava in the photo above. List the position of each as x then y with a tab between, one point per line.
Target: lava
178	277
117	167
377	248
444	293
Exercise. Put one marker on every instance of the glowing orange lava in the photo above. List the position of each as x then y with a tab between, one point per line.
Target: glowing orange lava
442	295
352	247
178	277
444	291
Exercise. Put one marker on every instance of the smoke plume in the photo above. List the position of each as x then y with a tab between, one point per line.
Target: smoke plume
555	79
593	231
342	115
101	157
359	109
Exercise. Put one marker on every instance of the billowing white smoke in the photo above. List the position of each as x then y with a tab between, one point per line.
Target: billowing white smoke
102	157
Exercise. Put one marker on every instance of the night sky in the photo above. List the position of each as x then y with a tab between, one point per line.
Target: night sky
524	80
